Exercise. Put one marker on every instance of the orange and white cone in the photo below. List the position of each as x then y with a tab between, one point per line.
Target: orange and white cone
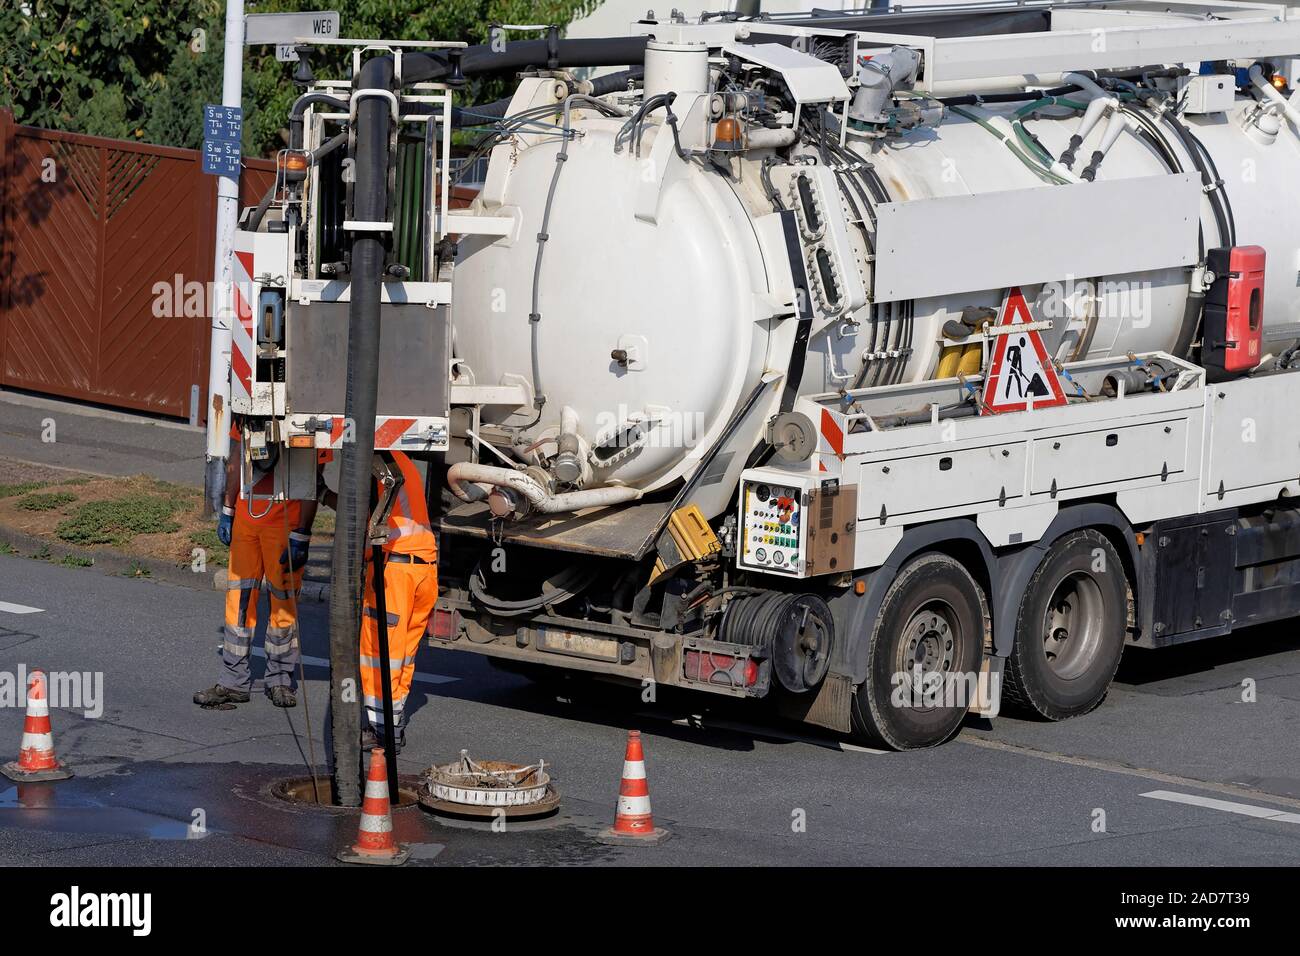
633	822
36	761
375	833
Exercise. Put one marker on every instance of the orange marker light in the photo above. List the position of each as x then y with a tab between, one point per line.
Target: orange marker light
727	134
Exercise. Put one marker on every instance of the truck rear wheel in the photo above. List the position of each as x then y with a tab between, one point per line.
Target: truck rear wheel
1070	629
923	656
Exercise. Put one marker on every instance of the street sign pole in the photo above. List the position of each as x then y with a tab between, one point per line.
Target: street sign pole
218	447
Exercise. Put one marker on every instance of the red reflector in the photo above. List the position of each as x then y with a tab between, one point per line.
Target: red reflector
442	624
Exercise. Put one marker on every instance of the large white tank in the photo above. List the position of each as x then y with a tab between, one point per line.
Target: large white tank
688	291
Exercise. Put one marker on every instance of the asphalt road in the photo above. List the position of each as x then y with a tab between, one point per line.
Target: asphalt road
733	787
99	441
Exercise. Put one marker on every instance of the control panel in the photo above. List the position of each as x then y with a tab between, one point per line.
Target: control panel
772	527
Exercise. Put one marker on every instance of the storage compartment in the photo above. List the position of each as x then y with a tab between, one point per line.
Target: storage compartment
907	488
1123	453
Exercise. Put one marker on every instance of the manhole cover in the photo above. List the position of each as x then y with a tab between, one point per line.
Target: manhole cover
488	788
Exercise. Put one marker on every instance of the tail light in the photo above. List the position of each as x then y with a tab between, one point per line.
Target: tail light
1234	310
726	666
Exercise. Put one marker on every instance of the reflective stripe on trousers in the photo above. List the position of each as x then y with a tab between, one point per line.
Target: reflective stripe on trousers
255	550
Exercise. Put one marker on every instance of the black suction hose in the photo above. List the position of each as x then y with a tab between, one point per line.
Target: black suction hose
521	54
369	204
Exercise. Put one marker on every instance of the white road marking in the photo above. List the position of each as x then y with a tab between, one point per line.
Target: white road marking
324	662
20	608
1227	806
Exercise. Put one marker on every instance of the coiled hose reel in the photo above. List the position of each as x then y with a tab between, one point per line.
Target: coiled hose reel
795	631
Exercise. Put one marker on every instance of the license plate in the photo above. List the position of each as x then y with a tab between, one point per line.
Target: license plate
555	641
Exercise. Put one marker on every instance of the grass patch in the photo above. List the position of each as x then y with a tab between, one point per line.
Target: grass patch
118	520
43	554
137	570
7	548
46	501
217	553
10	491
74	561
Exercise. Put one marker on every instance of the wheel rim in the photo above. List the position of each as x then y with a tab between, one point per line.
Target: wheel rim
1072	625
931	639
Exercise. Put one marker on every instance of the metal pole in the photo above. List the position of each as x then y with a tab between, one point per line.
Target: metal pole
218	447
385	670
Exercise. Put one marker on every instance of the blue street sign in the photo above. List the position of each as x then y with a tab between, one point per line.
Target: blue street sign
221	159
224	123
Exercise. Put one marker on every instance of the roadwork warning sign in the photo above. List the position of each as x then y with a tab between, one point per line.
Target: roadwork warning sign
1020	371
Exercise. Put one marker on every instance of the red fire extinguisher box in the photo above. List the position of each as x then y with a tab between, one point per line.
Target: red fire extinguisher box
1234	311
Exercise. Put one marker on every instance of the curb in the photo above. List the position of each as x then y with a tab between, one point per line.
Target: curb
119	564
106	561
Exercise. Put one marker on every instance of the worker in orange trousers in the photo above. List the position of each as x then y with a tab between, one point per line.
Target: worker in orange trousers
269	542
410	591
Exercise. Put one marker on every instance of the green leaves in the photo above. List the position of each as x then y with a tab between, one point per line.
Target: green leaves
133	69
118	520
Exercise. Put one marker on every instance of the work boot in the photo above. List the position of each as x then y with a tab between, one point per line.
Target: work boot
218	697
371	738
282	696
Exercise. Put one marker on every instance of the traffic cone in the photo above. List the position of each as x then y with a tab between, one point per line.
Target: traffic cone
36	762
634	824
375	833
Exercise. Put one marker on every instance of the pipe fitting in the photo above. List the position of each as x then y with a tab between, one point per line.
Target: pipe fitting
463	476
878	78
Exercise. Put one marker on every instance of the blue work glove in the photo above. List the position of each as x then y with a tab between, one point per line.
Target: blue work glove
225	525
296	554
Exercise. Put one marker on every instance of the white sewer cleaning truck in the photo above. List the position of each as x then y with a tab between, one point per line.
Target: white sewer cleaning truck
885	367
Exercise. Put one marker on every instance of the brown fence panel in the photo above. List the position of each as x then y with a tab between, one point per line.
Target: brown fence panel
91	230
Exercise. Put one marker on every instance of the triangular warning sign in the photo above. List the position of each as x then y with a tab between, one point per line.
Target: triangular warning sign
1020	369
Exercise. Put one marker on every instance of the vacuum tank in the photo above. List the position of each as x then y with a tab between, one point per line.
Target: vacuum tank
643	291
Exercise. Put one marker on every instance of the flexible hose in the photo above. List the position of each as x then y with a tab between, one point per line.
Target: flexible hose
600	86
369	204
522	54
469	473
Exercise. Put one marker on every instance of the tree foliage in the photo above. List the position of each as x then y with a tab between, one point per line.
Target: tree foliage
143	69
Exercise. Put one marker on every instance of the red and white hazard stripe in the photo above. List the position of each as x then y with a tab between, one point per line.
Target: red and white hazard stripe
392	432
242	340
830	441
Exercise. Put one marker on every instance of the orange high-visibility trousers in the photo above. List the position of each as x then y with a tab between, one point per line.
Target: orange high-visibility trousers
255	549
410	591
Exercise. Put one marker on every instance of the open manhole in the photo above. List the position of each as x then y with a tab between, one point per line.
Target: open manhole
317	795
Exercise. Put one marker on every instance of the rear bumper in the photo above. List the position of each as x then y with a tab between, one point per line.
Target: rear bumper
637	656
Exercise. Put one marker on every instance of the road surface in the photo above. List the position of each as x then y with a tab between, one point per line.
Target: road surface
1174	768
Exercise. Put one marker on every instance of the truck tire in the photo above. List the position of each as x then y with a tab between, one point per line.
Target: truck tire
1069	630
936	616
